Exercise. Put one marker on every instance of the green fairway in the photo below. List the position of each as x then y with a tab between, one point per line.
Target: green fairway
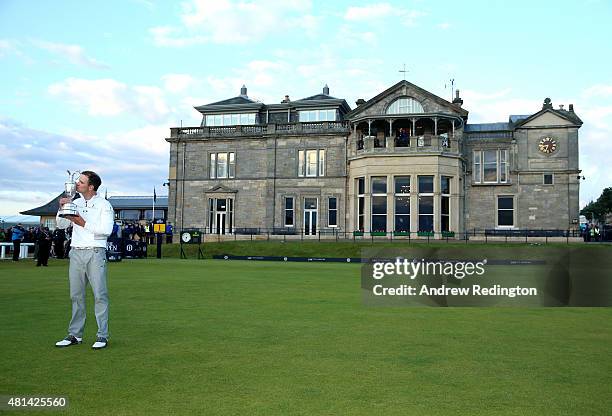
213	337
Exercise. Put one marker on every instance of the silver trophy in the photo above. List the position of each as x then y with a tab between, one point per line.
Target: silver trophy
70	208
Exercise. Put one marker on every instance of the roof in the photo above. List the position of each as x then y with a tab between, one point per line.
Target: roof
319	97
461	111
241	99
137	202
118	202
50	208
518	117
481	127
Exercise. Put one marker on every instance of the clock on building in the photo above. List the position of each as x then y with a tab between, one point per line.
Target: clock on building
547	145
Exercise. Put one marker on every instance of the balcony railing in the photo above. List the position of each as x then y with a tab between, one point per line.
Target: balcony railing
261	129
423	143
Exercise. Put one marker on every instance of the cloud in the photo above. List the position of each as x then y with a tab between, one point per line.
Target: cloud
176	83
130	162
378	11
599	90
108	97
443	26
230	22
75	54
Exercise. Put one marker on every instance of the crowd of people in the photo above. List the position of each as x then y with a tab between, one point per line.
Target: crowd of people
138	231
590	232
56	243
47	243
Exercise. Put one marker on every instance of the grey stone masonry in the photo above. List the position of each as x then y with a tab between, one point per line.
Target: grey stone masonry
281	175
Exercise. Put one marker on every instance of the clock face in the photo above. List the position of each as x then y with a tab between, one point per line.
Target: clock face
185	237
547	145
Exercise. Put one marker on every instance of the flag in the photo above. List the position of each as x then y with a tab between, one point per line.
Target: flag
154	195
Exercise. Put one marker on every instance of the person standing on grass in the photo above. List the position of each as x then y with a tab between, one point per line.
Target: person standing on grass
90	229
44	247
16	237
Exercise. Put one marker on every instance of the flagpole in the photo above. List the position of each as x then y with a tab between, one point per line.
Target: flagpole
153	218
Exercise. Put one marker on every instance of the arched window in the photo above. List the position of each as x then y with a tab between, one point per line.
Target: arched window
405	105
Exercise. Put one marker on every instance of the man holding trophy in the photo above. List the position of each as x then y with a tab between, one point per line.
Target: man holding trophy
91	217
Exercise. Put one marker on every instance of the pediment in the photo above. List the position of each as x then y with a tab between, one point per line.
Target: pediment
431	103
546	118
221	189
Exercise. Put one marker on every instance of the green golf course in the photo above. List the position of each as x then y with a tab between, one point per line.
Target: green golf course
212	337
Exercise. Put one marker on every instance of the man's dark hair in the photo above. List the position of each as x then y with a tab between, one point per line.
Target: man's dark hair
93	179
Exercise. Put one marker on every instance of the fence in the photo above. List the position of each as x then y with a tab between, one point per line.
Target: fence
480	236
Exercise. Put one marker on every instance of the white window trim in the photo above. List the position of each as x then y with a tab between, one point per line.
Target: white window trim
514	209
285	211
498	164
213	161
320	166
335	209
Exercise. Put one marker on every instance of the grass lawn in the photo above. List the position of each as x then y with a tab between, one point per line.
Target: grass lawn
267	338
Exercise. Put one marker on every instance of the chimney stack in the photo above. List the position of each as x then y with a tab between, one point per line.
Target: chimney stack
360	101
457	101
243	91
571	108
286	100
325	90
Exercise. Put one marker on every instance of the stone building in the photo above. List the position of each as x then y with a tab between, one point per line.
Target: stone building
405	161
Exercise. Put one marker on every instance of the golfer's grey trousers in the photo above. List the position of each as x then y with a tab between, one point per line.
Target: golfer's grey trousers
88	265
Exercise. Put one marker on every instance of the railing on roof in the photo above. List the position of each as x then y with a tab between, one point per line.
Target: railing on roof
262	129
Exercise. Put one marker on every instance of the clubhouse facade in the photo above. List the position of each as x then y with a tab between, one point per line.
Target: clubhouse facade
405	161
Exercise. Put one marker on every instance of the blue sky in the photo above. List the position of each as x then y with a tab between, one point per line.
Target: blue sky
97	85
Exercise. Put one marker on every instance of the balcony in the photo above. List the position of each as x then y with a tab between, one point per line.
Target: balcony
414	144
321	127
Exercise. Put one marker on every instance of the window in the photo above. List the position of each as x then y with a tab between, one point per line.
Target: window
405	105
360	185
402	203
445	190
379	204
317	115
505	211
332	215
426	203
50	223
491	166
222	165
129	214
230	119
289	211
548	179
311	163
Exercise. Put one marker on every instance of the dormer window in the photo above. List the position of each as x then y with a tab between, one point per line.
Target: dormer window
234	119
317	115
405	105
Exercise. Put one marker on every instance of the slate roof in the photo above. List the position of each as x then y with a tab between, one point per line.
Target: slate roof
50	208
482	127
118	202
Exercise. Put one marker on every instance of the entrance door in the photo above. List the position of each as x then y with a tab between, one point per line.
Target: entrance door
310	216
221	214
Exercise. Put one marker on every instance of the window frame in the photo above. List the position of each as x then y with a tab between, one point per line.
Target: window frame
329	210
286	210
502	167
497	209
552	179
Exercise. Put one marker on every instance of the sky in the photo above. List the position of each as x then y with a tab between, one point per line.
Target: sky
98	85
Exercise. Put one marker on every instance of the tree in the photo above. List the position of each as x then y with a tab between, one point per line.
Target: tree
599	208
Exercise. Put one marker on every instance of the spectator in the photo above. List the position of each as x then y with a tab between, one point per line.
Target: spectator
17	236
59	237
44	246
